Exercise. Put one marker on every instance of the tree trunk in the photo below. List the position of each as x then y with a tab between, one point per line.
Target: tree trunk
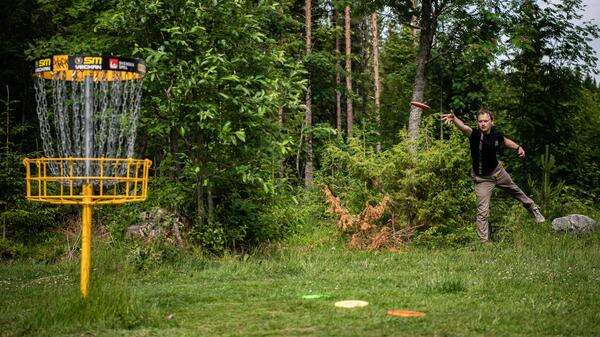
282	163
174	147
308	169
428	24
376	81
349	112
210	202
338	94
414	23
200	209
7	108
201	175
365	48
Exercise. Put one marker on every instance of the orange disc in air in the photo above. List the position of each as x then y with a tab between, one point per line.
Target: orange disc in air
405	313
420	105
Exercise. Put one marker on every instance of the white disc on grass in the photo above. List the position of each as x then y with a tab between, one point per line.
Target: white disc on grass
351	304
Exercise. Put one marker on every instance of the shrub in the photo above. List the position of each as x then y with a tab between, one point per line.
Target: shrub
432	195
145	255
10	250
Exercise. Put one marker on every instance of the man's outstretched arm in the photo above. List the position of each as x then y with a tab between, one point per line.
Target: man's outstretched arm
512	145
459	124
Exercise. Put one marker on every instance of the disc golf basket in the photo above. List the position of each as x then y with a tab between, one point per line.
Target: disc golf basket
88	107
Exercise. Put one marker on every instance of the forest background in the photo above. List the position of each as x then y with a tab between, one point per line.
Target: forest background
251	108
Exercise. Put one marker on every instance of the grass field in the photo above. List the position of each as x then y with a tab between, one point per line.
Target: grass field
539	284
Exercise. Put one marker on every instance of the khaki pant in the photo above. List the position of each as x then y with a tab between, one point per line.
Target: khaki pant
484	185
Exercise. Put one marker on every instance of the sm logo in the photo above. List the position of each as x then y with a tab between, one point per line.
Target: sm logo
92	60
43	63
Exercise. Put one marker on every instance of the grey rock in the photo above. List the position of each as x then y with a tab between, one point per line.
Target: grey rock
157	223
574	224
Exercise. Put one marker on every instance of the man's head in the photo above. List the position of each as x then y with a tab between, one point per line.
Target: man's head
485	120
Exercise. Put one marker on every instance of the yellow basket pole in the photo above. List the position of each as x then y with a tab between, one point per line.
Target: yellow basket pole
86	240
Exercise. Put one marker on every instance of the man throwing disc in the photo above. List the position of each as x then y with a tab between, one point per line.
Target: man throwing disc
487	172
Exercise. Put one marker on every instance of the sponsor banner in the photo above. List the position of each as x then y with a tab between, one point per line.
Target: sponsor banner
59	63
113	63
85	62
126	64
42	65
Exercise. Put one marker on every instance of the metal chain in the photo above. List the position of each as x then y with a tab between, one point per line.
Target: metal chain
42	112
115	111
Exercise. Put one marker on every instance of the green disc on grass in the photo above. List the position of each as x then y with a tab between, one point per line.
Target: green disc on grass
312	296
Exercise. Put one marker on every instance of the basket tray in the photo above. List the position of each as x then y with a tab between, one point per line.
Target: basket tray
61	180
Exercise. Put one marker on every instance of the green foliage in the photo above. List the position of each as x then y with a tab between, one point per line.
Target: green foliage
20	220
10	250
147	255
398	70
548	191
221	72
548	55
49	250
116	219
212	238
12	182
280	216
24	220
468	45
174	195
583	167
215	83
292	213
223	92
430	191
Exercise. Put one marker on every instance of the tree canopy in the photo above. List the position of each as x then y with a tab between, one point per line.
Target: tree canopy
225	96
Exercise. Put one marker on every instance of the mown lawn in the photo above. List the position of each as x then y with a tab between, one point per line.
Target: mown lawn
536	284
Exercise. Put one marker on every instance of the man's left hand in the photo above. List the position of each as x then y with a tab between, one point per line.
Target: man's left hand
521	152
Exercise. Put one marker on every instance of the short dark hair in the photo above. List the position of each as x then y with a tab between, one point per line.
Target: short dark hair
484	111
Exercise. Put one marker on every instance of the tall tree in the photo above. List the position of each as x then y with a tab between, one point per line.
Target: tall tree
430	12
548	53
308	169
376	81
414	23
349	94
338	94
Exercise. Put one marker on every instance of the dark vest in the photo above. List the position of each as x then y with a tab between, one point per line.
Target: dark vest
484	149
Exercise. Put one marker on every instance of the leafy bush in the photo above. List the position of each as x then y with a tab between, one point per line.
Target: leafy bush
292	211
432	196
10	250
143	256
50	250
211	237
23	221
556	198
256	220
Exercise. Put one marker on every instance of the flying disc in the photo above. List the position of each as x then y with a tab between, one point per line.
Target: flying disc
351	304
312	296
405	313
420	105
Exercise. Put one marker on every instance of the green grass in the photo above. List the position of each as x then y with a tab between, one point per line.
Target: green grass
536	284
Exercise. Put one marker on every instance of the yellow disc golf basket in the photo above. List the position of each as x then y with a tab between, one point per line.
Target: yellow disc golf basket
88	107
